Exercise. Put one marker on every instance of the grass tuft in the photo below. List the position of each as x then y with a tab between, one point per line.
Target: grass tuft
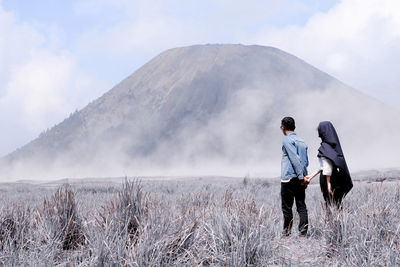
63	221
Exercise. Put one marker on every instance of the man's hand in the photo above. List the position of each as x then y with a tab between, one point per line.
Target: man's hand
305	181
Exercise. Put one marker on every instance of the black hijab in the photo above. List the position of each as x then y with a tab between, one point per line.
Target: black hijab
330	148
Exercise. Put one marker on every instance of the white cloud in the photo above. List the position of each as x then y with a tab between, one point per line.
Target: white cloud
357	41
43	89
16	42
38	86
147	28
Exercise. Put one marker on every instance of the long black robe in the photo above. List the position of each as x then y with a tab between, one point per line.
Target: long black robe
330	148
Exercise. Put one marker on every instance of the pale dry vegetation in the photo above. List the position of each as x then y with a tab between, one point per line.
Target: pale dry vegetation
192	223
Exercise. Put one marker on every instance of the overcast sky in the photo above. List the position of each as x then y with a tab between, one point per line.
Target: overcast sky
56	56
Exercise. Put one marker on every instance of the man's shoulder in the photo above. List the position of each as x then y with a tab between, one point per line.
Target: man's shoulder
289	139
293	138
300	139
297	138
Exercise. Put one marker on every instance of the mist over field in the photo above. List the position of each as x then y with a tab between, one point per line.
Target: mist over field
209	110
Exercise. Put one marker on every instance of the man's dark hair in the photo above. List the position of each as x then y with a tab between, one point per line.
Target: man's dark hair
288	123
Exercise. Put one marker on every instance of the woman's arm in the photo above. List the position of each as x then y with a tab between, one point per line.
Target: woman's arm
328	181
327	168
311	176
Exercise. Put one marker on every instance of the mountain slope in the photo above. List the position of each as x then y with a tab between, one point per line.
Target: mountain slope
197	106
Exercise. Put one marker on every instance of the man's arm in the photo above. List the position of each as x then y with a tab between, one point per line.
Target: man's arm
306	156
294	158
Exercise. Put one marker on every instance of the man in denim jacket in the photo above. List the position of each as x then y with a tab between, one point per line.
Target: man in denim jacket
294	168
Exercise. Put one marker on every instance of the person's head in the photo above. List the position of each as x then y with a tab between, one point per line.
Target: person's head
327	132
287	125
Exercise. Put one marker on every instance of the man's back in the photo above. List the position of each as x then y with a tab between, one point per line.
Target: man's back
294	168
294	157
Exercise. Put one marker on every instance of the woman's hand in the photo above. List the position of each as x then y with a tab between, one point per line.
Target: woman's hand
330	189
305	181
308	178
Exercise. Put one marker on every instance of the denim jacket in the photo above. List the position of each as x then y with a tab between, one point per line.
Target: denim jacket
294	158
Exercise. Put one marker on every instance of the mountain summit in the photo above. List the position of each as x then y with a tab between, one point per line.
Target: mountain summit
205	105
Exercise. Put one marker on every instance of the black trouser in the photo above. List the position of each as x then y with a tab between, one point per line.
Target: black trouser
290	191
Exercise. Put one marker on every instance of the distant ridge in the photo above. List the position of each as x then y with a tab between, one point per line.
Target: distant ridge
195	106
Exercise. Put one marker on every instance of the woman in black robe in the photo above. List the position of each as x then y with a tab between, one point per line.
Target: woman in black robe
334	187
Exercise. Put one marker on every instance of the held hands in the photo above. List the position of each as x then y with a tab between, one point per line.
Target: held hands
306	180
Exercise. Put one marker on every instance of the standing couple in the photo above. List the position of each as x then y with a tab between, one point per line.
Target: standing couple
335	180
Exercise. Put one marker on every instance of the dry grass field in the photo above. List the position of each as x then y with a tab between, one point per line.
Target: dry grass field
190	222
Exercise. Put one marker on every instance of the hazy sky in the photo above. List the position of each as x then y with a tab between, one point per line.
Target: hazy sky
56	56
